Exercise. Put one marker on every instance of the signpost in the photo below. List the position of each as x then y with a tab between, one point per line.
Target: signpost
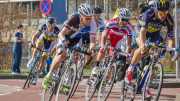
45	7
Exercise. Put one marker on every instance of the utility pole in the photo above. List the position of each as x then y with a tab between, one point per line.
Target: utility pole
106	10
95	2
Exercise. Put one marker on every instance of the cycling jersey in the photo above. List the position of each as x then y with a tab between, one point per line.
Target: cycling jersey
75	33
116	34
47	38
47	35
100	27
150	21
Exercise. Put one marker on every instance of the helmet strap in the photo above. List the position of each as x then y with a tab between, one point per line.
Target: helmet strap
83	22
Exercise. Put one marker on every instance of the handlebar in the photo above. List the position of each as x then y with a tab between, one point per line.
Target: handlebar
106	46
147	42
121	52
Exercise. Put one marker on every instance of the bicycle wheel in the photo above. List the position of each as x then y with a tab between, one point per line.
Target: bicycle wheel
79	75
156	83
107	83
91	88
34	72
67	82
30	74
48	93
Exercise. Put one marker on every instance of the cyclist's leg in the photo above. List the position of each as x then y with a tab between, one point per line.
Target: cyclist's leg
135	59
100	56
39	44
156	38
86	41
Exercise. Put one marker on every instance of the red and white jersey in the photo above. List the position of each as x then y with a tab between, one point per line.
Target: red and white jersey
116	34
112	27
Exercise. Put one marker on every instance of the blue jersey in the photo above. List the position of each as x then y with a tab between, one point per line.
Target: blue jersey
150	21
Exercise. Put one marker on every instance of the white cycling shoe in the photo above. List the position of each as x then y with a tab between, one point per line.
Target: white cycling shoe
95	71
30	63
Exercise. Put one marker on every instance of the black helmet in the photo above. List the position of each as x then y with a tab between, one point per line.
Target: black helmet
97	9
162	5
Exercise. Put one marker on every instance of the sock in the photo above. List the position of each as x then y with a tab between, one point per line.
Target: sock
97	64
49	74
131	67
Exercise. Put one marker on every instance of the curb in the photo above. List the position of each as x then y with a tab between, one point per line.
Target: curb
177	97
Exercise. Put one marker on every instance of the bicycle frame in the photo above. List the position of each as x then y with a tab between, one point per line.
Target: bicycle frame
144	74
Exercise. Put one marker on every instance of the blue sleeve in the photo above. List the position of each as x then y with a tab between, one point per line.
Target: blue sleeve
102	28
146	18
57	31
16	34
170	25
41	28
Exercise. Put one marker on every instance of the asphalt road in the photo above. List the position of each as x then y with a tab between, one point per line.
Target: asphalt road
11	90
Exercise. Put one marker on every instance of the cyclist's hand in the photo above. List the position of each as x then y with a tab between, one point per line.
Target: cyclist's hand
108	41
65	43
33	43
93	53
172	55
143	48
101	50
50	54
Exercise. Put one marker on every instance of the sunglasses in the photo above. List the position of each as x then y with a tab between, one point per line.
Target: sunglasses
88	18
125	19
97	15
50	25
163	12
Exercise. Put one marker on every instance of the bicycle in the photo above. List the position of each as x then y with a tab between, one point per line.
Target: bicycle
144	75
80	68
101	81
52	89
34	67
68	79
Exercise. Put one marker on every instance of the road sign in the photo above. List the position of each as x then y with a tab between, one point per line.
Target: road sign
45	7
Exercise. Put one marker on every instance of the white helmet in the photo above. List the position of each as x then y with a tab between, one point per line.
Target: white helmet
124	13
85	10
151	3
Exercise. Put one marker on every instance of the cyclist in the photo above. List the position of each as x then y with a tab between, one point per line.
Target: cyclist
100	26
149	25
114	31
74	28
48	34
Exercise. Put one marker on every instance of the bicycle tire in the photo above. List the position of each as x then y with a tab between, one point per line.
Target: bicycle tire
55	81
78	77
160	83
104	80
28	77
88	98
52	89
35	66
62	81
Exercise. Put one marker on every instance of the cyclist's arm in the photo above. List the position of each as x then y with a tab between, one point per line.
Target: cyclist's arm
171	42
62	34
104	37
93	43
128	49
100	33
142	36
35	36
